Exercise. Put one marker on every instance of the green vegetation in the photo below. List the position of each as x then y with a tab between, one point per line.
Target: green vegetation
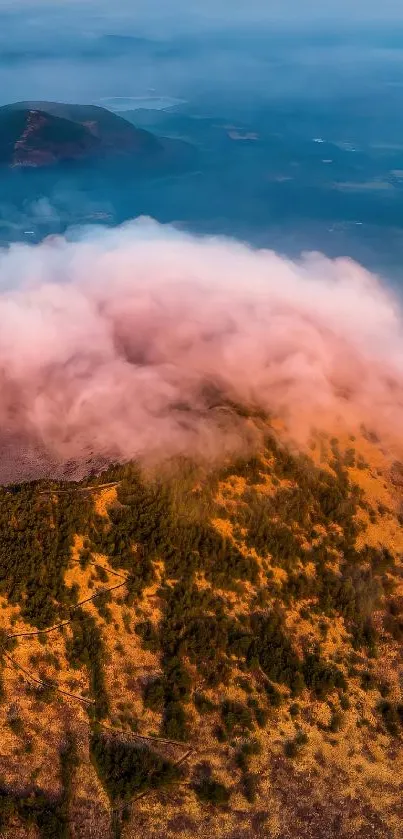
392	716
322	677
86	648
36	536
236	718
149	635
153	694
36	809
255	610
292	748
210	791
50	815
274	651
203	704
127	768
249	783
16	725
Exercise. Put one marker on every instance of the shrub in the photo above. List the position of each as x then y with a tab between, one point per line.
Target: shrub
149	635
174	722
274	696
86	648
153	694
203	704
391	716
16	724
336	721
236	717
293	747
127	768
322	677
212	792
275	652
249	787
368	681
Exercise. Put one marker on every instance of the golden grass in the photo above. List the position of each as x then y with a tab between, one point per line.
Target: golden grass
105	499
370	770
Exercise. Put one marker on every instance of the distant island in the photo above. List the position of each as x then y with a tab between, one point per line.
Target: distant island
47	134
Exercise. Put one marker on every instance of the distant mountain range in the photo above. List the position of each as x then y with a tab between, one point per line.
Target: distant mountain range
43	134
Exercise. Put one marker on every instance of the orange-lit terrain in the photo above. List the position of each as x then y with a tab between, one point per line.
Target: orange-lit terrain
212	654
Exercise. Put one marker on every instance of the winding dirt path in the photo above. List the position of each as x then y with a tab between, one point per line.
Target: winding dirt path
32	678
82	699
92	488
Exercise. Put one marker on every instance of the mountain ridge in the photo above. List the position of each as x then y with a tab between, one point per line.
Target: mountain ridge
43	134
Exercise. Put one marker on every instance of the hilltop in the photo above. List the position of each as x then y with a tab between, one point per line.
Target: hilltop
43	134
215	653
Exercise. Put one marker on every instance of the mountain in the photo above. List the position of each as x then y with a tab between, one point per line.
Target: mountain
215	653
42	134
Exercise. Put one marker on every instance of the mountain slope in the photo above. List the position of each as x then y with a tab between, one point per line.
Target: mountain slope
210	653
47	133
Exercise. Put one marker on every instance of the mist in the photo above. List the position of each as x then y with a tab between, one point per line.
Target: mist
131	342
83	52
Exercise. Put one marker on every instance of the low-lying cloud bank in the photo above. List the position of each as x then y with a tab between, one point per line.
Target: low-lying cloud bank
123	342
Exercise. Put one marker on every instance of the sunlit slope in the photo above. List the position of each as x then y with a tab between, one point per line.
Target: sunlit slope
211	654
